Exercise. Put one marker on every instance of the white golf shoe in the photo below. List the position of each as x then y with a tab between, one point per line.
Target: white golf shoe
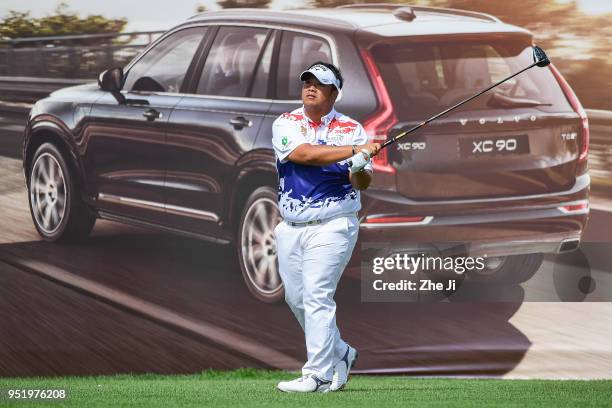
306	383
342	369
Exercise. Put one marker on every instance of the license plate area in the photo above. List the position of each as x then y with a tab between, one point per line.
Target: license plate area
493	146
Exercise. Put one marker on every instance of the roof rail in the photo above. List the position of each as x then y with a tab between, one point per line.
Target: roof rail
395	6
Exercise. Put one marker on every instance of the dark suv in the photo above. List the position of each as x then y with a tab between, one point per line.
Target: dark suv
180	139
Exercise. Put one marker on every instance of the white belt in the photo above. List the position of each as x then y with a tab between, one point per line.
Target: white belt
319	221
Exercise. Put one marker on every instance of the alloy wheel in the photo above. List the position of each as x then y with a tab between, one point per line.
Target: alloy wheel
259	246
48	193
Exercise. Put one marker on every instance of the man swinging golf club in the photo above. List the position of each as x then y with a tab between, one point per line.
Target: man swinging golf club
318	200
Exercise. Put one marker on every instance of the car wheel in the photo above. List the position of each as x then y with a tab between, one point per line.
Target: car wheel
55	206
257	245
511	269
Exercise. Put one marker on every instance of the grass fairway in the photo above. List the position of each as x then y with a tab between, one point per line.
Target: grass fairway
255	388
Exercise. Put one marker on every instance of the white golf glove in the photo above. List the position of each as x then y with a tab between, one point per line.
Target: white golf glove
359	160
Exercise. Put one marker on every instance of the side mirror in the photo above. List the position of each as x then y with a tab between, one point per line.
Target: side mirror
111	81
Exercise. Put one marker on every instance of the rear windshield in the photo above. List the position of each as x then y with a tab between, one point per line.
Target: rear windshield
426	78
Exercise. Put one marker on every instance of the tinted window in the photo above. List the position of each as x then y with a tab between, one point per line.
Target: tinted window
231	61
297	52
260	83
426	78
164	67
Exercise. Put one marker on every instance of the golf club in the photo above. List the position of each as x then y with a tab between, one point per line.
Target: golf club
539	58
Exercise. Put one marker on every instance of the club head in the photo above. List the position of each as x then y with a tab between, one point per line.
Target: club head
539	57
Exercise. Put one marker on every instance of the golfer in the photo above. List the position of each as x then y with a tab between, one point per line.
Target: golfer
318	200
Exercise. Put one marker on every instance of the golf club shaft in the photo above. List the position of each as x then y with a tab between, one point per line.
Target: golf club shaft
394	139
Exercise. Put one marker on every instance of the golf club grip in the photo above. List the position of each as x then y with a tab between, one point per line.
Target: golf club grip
390	141
396	138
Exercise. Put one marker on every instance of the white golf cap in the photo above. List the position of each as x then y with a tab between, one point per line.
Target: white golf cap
323	74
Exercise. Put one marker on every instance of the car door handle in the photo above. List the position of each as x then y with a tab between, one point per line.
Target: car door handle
239	122
152	114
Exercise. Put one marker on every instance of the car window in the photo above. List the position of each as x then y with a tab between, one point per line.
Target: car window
231	61
164	67
262	76
425	78
297	52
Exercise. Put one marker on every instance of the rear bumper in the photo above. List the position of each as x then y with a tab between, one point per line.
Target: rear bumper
500	226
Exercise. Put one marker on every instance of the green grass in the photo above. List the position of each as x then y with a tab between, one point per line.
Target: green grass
256	388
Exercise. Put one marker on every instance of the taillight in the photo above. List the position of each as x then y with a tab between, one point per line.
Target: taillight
577	106
378	125
577	207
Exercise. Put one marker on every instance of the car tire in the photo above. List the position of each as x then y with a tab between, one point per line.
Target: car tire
513	269
256	245
55	205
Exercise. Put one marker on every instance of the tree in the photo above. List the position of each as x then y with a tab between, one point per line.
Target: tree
62	22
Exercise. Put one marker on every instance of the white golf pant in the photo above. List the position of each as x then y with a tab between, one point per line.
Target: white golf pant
311	259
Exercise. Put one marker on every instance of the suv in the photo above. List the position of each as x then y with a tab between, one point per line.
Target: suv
180	139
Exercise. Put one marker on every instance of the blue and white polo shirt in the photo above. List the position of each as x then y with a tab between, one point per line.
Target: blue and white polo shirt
309	193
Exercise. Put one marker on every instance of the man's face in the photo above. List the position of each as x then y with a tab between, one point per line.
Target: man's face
316	94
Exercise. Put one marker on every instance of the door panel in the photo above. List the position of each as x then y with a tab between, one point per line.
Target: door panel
124	145
124	155
202	150
210	131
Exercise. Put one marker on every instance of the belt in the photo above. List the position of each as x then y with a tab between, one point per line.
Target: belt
319	221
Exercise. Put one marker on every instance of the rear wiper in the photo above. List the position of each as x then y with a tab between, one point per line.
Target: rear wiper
499	100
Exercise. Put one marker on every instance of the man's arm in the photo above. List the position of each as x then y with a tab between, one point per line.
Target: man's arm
322	155
361	180
319	155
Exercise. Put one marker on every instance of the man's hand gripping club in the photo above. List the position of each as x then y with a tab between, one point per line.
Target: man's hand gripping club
359	160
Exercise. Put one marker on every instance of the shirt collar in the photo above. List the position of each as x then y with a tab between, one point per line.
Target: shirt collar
325	120
328	118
